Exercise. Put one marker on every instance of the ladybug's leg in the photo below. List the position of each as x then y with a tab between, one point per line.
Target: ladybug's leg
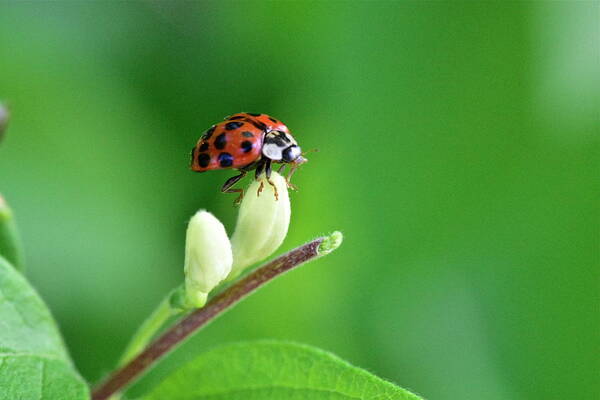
232	181
268	174
260	167
289	177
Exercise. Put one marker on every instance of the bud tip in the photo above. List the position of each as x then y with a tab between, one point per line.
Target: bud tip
330	243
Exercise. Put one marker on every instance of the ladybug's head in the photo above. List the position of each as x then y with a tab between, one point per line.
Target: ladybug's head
282	147
292	154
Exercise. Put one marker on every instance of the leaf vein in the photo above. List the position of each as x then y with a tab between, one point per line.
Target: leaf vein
42	372
266	387
46	356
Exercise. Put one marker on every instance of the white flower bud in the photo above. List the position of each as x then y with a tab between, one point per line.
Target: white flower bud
262	223
208	257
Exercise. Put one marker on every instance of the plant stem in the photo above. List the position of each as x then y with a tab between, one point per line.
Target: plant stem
10	242
122	377
148	329
4	117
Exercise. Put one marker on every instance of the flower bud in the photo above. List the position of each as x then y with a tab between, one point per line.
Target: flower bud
262	223
208	257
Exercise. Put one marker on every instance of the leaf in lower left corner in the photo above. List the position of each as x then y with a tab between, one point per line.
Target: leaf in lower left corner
34	363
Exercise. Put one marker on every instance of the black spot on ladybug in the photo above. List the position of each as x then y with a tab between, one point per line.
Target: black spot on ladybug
225	160
221	141
246	146
273	120
235	117
203	160
259	125
233	125
203	146
247	134
209	133
254	114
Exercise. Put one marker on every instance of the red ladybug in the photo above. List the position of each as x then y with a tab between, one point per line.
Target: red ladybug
246	141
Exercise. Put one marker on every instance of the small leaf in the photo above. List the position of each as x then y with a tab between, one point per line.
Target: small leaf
34	363
10	243
269	370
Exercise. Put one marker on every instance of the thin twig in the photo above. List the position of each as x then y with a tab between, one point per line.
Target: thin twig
197	319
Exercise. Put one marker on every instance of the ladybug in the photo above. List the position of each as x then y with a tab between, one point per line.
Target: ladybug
246	142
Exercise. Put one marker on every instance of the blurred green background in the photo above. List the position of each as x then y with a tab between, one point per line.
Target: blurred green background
458	154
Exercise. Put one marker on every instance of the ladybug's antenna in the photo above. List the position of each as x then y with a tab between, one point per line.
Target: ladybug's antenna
310	151
302	159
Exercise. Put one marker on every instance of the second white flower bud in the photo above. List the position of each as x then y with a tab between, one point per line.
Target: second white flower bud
262	223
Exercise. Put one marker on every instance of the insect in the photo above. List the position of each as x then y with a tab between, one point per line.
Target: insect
246	142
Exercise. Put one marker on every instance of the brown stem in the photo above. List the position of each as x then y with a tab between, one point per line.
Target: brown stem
119	379
4	117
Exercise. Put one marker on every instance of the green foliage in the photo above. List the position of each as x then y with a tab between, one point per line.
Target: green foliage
273	370
458	152
34	363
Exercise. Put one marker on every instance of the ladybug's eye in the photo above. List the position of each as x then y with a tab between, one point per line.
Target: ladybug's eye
291	153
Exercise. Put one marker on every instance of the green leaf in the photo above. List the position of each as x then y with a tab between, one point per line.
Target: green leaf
269	370
10	244
34	363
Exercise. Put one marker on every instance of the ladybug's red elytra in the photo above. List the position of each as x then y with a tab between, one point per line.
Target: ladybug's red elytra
247	141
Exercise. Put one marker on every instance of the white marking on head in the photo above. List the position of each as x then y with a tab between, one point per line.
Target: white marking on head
274	144
272	151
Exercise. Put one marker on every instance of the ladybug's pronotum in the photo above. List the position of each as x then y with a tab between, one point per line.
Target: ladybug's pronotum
246	141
